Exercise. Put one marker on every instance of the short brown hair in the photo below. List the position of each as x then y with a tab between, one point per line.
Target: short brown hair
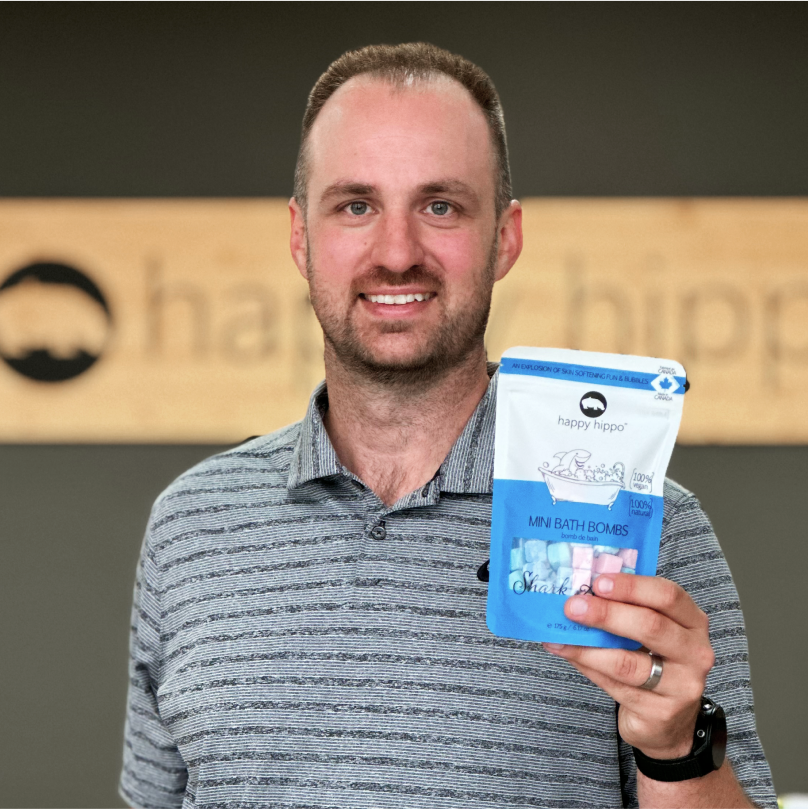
398	64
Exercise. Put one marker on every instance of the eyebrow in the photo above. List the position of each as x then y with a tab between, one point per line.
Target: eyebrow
337	190
348	189
448	187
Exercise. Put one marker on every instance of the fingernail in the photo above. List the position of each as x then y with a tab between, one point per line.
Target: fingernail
605	584
553	647
578	606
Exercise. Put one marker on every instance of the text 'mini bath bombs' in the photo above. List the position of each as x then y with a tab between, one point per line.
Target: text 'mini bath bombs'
582	444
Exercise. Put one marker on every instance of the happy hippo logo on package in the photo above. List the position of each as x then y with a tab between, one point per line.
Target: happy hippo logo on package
593	404
565	513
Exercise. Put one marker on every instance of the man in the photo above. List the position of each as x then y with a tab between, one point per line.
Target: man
309	626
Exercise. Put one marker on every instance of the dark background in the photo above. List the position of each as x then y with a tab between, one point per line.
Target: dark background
181	99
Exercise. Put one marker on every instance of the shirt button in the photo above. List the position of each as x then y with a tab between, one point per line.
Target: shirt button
378	532
425	491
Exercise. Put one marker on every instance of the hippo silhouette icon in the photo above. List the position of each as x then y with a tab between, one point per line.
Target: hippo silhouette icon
54	322
593	404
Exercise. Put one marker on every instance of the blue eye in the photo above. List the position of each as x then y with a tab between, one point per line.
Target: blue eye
359	208
440	208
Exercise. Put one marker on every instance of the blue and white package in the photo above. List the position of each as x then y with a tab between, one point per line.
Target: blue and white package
582	444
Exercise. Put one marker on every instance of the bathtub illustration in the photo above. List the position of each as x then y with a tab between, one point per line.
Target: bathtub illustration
581	491
573	480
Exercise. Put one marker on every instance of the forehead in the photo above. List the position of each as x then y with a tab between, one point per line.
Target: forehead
425	127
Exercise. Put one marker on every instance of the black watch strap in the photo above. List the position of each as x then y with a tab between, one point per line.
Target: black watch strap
707	755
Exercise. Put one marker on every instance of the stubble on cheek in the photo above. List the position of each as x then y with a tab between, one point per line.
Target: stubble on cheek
447	338
340	314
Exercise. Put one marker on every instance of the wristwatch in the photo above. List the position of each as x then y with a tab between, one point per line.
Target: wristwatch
709	747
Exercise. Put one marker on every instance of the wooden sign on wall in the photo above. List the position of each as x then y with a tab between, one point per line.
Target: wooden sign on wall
186	320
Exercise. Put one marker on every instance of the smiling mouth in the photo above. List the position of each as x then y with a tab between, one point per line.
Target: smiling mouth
398	300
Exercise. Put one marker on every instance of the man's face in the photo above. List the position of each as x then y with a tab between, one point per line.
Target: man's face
401	245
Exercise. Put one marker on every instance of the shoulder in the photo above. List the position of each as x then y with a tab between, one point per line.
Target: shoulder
678	505
255	470
675	495
269	454
688	550
682	513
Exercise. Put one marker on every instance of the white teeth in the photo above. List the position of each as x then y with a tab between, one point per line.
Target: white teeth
399	299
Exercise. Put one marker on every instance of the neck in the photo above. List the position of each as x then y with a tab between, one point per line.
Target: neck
394	435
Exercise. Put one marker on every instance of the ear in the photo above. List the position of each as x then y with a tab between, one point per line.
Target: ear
510	239
297	241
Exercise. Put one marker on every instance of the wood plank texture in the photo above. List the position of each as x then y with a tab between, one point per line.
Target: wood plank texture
210	336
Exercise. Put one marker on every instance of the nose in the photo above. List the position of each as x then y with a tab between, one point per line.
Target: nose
397	246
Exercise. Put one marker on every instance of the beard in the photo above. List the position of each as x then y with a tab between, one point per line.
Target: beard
456	338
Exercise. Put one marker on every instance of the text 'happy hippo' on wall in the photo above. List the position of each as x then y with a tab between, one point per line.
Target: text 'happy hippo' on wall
186	320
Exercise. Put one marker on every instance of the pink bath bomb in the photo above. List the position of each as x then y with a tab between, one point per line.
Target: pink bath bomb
581	579
582	557
607	563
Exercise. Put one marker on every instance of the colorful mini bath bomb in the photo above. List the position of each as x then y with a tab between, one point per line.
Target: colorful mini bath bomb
627	570
581	580
607	563
582	557
612	549
517	557
559	554
516	578
629	557
564	578
547	585
535	550
541	571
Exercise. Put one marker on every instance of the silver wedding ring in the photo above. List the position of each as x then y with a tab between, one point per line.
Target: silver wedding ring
656	672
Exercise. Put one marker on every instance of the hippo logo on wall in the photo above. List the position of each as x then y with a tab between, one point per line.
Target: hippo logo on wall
54	322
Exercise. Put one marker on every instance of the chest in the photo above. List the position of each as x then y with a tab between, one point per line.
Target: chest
345	645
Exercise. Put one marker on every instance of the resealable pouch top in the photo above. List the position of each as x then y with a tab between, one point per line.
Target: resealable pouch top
583	440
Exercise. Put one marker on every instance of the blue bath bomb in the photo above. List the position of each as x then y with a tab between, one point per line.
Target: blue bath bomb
535	550
559	554
516	578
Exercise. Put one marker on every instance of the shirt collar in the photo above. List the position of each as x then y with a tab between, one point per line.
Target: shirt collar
314	456
467	469
469	466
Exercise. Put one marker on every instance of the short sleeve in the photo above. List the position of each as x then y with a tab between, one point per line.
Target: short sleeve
154	774
690	555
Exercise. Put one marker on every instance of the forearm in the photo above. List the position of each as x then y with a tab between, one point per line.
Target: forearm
718	790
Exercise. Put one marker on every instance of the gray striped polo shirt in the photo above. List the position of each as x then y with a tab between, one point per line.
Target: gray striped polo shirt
296	643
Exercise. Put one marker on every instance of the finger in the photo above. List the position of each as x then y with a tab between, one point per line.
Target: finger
631	697
648	720
652	629
654	592
619	665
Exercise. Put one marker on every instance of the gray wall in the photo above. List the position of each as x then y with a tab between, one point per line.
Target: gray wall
178	99
205	100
